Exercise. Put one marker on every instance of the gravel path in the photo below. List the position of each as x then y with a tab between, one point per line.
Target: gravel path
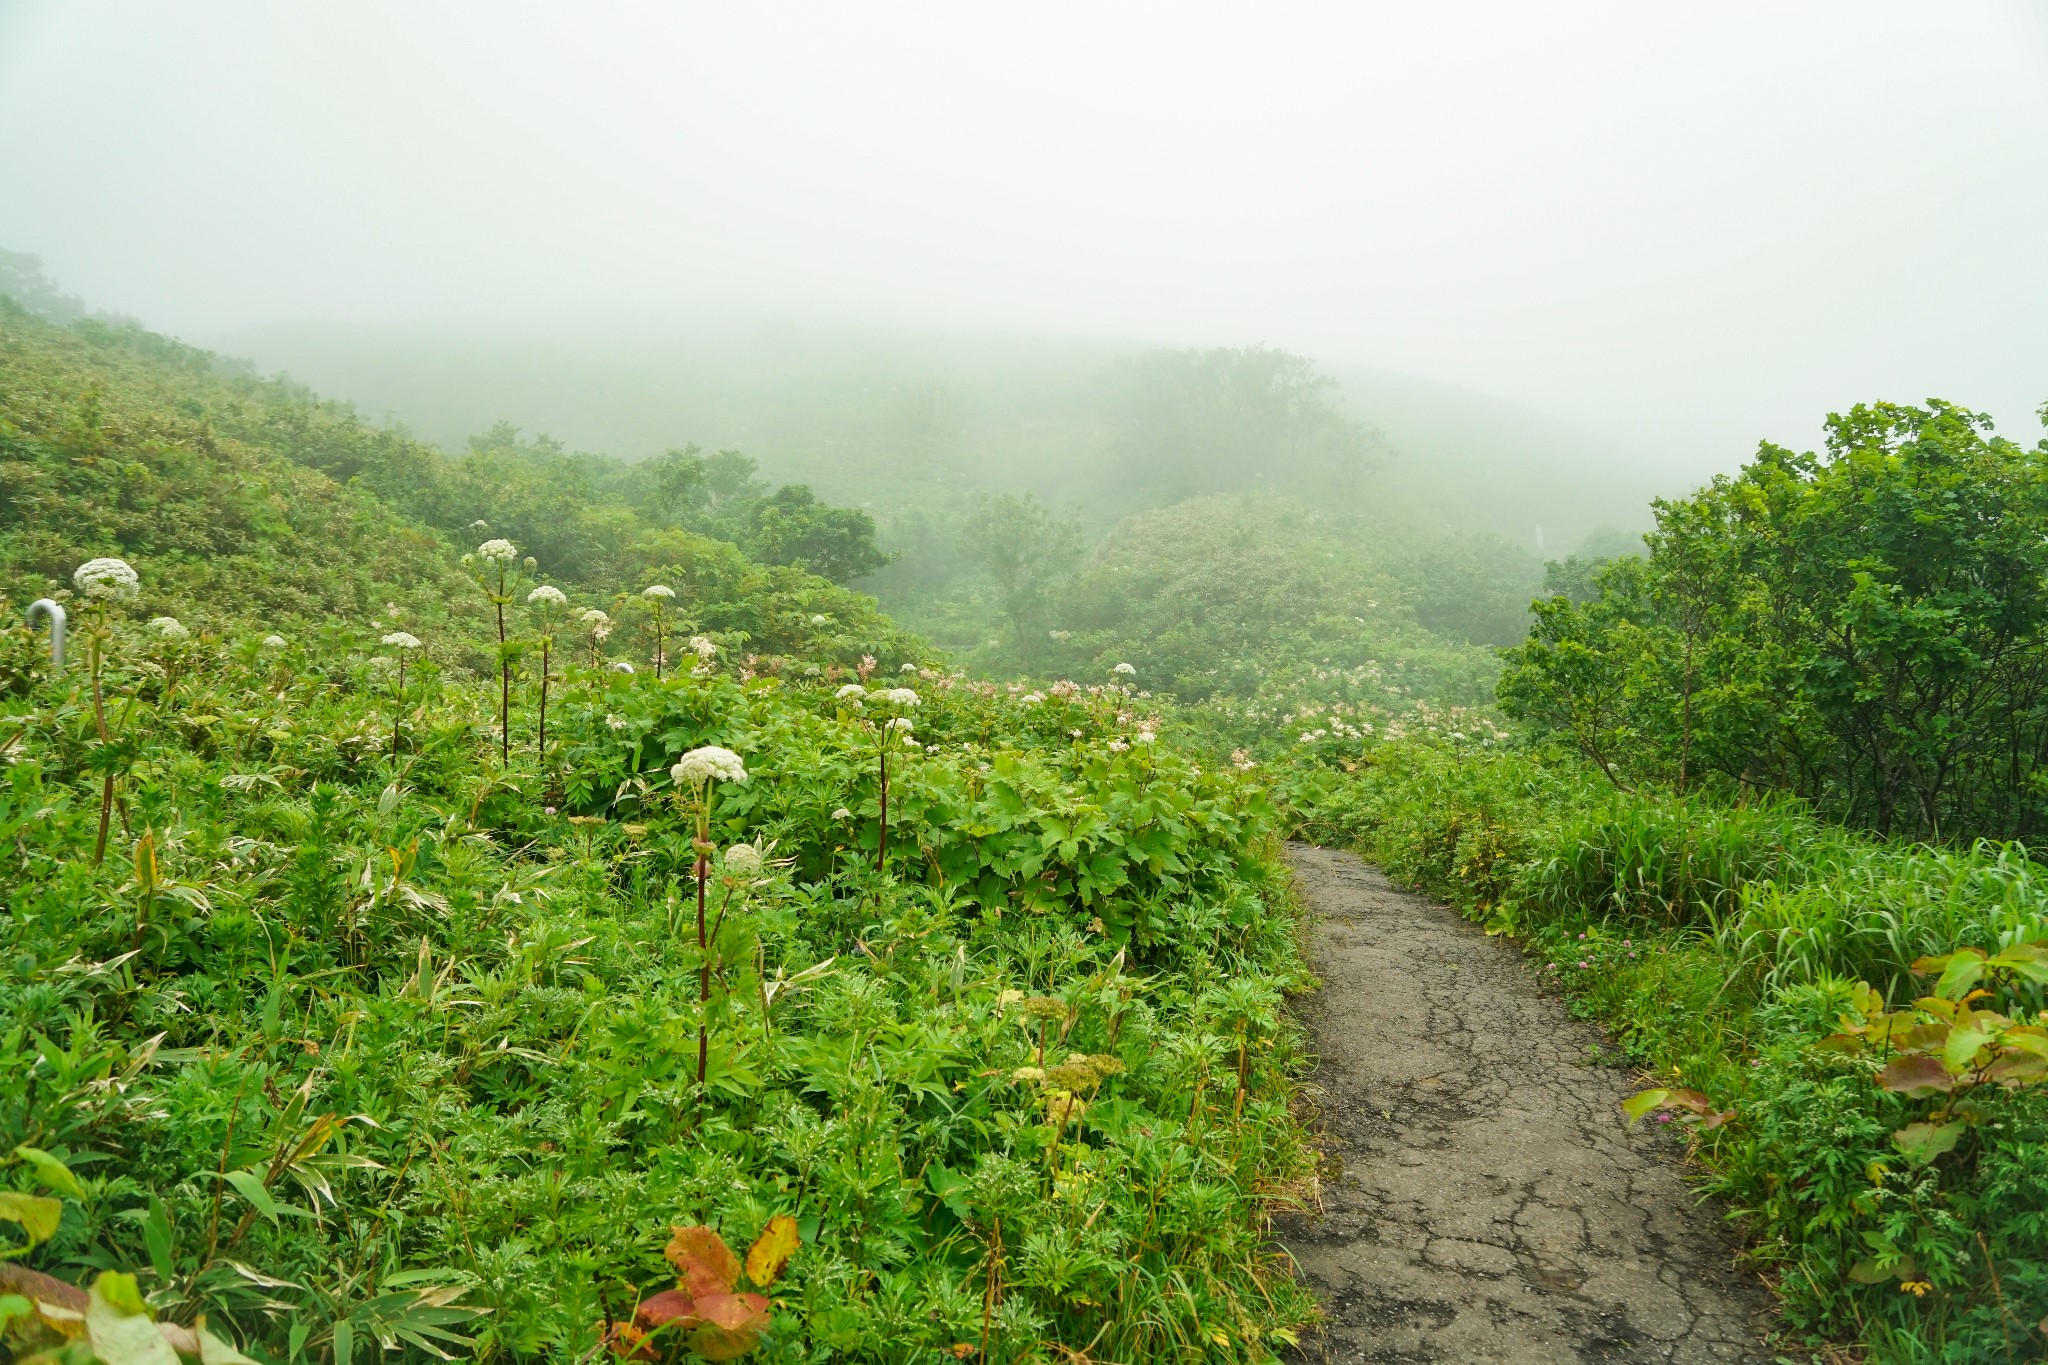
1485	1201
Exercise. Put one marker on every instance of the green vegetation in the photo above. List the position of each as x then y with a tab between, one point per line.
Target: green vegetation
398	974
1852	1028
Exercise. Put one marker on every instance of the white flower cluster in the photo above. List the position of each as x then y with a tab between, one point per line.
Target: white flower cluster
168	628
819	620
708	764
497	551
107	580
743	860
903	723
1124	671
908	668
1031	699
658	591
546	596
401	639
703	647
273	642
897	696
852	692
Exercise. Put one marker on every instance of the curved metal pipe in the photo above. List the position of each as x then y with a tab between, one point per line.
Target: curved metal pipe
55	612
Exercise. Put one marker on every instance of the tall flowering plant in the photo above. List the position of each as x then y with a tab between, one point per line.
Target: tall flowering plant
697	775
495	566
546	601
104	584
400	643
657	596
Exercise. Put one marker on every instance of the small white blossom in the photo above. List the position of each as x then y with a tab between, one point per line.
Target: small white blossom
1031	699
479	525
708	764
168	628
911	744
703	646
743	860
1117	746
658	590
497	551
109	580
402	640
273	642
842	814
616	722
818	620
545	595
898	696
908	668
1124	670
621	666
853	692
901	723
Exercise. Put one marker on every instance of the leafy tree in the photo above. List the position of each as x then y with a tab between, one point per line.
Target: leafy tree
1867	628
1185	423
1027	548
791	526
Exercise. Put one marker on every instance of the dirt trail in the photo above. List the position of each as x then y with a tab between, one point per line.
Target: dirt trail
1486	1202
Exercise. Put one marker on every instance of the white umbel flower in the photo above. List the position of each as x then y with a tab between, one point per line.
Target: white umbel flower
479	525
708	764
544	595
621	666
594	617
898	696
273	642
107	580
908	668
1031	699
168	628
402	639
743	860
703	646
902	723
497	551
818	620
1124	671
842	814
850	690
658	590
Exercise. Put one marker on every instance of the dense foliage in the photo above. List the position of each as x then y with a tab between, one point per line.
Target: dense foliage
1867	628
1723	945
252	499
358	1033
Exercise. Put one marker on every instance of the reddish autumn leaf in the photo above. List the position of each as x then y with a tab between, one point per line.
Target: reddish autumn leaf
734	1312
669	1306
1915	1072
629	1342
705	1262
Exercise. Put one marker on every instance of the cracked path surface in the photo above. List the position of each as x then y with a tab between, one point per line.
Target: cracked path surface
1485	1201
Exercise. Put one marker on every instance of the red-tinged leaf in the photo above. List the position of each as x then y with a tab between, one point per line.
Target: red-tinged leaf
2017	1068
668	1307
1690	1100
777	1243
734	1312
715	1343
1635	1106
1915	1073
705	1262
1718	1118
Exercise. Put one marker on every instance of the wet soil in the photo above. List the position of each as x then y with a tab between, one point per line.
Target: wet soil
1484	1199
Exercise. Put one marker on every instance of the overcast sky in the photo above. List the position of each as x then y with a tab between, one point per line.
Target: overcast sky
1689	226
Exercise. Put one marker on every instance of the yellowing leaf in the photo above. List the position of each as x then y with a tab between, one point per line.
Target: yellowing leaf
37	1215
772	1250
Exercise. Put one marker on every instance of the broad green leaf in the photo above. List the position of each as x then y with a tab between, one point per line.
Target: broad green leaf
50	1172
214	1351
251	1188
1635	1106
344	1342
1923	1142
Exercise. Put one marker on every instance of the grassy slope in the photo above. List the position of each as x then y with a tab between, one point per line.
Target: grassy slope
445	1012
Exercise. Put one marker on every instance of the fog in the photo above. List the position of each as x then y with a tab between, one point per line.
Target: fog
1682	229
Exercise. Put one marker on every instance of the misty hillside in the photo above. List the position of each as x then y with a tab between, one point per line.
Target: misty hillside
867	416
